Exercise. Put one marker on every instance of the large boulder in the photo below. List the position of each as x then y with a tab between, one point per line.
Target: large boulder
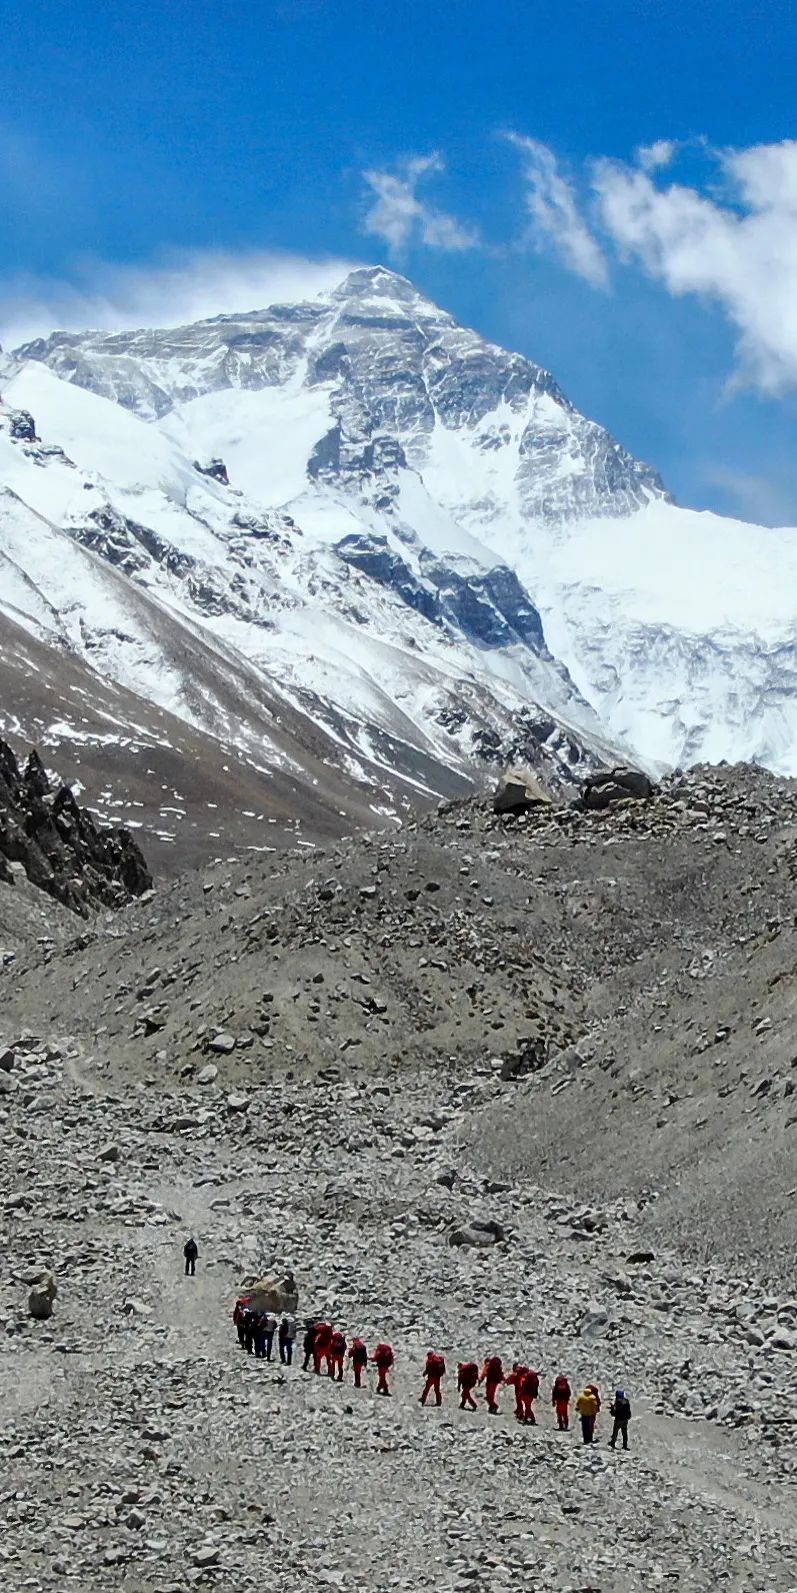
274	1293
518	791
42	1297
616	785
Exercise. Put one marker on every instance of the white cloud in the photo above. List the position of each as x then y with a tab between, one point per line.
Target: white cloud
173	289
743	254
556	218
399	217
651	157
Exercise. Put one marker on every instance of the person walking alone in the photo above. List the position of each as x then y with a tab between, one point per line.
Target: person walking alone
190	1251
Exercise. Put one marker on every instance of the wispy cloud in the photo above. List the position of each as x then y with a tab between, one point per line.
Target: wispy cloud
742	254
651	157
168	291
400	217
554	210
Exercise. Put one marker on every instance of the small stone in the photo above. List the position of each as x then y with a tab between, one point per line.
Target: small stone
223	1043
108	1153
42	1297
208	1074
206	1556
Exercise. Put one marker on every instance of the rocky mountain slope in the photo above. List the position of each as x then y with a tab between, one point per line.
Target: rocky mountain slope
576	1027
352	529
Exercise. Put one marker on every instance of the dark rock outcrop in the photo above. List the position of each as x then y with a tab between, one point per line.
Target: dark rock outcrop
216	469
59	845
616	786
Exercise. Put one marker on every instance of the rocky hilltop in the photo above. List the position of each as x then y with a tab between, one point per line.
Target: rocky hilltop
522	1083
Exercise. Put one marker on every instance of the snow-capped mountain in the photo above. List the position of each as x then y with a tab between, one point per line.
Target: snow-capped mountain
355	526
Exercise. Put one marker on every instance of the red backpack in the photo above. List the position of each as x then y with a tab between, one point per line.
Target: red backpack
468	1373
531	1384
383	1355
435	1365
493	1369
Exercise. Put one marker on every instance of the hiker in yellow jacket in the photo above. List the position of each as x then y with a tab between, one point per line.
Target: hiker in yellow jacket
587	1406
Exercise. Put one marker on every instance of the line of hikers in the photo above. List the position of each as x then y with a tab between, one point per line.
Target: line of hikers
326	1351
256	1330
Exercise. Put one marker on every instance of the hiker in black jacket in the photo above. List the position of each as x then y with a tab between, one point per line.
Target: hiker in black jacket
190	1252
309	1344
620	1409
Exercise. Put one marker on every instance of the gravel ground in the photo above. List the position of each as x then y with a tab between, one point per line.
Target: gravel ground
579	1028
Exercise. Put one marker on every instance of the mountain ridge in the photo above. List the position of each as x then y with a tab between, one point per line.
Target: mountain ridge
409	534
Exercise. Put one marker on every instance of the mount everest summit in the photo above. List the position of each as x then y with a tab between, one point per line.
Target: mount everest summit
352	545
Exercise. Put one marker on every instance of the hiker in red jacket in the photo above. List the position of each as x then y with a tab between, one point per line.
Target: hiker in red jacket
467	1378
560	1399
383	1360
336	1355
434	1370
358	1355
515	1380
321	1343
492	1377
529	1389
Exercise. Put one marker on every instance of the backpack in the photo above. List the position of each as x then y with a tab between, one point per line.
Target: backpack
435	1366
383	1355
493	1369
468	1373
622	1409
531	1384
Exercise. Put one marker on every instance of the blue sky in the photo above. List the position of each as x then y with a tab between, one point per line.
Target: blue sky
489	151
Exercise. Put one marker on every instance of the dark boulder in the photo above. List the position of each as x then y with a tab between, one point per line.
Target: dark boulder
616	785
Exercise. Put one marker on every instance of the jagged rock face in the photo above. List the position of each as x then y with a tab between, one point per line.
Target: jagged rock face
58	844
